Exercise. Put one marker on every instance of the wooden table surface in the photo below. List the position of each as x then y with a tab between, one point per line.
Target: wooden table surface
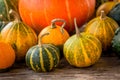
107	68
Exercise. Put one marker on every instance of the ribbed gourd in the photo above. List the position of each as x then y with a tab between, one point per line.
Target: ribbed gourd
106	6
103	28
43	57
82	49
99	2
57	34
19	35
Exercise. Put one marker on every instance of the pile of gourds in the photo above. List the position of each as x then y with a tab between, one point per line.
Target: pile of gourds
41	32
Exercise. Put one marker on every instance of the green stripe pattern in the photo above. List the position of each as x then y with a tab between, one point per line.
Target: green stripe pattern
103	29
20	36
43	58
83	50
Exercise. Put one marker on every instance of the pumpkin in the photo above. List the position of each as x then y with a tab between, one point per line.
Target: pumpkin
57	34
5	6
39	13
43	57
82	49
20	36
99	2
103	28
116	42
114	13
7	56
107	6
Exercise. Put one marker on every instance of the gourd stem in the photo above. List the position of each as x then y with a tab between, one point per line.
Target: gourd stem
102	16
58	20
40	39
76	28
15	14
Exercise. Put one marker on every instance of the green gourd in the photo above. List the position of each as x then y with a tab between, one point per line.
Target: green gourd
43	57
82	49
116	42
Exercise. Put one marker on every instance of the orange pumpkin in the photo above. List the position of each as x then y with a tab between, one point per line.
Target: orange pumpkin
107	6
57	34
7	56
39	13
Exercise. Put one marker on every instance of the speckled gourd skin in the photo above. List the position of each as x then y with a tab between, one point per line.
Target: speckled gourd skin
82	51
20	36
103	28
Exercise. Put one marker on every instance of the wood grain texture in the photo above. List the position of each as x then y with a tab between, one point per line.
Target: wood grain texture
107	68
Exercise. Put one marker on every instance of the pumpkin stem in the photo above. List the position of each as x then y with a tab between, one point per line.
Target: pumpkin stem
58	20
76	28
40	39
103	15
15	14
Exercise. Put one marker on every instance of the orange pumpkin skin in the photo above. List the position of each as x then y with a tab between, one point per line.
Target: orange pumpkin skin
39	13
7	56
55	36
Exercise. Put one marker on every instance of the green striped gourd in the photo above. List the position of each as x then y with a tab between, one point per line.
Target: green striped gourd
103	28
43	57
82	49
5	6
20	36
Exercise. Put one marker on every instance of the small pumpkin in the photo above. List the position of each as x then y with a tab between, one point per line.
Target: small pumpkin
99	2
82	49
7	56
5	6
114	13
57	34
43	57
116	42
103	28
107	6
19	35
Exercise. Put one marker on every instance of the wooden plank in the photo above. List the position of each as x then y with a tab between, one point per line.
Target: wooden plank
107	68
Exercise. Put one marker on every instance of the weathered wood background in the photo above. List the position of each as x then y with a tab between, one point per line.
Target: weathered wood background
107	68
